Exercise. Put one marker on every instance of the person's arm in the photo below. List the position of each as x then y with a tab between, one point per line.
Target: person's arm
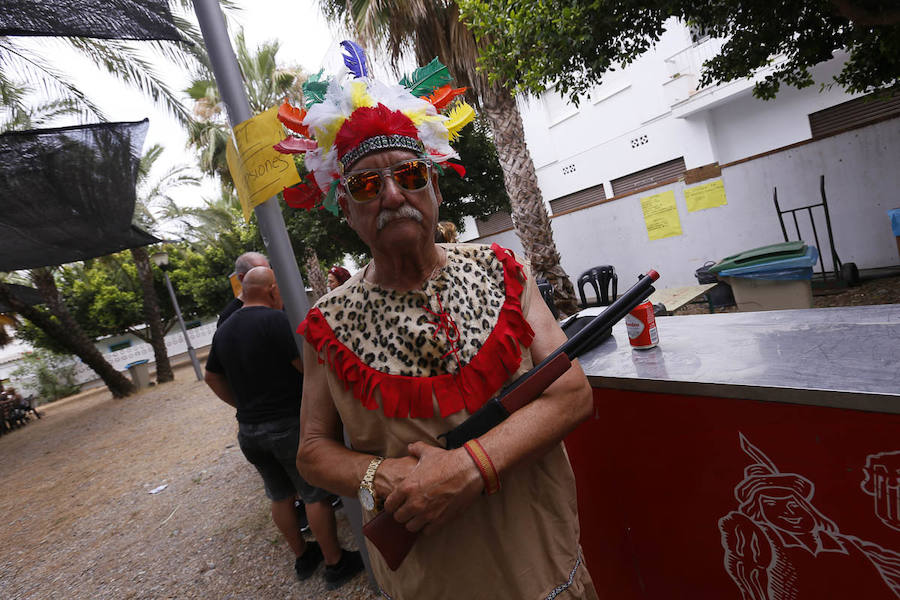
445	482
218	383
297	364
322	458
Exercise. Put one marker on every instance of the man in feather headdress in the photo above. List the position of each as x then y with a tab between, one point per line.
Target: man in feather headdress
418	340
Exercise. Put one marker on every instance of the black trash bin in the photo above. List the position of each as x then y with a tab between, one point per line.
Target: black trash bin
719	296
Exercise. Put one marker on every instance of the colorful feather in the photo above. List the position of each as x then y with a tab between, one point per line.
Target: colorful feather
443	95
303	195
425	80
355	58
461	115
330	203
314	89
292	118
295	145
458	168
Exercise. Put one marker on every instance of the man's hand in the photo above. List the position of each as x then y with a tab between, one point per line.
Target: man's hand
442	483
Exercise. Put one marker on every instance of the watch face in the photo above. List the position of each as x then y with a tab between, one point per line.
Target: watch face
366	499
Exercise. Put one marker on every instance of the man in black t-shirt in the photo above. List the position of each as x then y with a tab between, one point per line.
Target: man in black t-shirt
254	366
242	264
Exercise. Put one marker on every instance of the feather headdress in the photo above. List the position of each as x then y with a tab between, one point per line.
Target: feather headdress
345	119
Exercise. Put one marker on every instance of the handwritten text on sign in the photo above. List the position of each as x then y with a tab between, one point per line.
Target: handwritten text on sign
705	196
661	215
258	170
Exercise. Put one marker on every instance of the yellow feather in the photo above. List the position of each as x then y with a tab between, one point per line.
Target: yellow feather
461	115
359	95
416	116
325	136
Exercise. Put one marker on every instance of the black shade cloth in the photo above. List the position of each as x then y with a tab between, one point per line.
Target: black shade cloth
23	293
68	194
105	19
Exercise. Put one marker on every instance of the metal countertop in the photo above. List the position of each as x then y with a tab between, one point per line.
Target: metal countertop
842	357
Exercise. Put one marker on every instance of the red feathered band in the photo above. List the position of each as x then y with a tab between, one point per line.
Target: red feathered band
367	122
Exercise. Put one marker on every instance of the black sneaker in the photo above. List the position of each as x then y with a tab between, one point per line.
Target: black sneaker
306	564
337	575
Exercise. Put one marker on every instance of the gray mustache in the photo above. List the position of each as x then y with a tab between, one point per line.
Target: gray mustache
404	212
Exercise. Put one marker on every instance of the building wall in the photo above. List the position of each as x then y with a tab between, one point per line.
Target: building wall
861	180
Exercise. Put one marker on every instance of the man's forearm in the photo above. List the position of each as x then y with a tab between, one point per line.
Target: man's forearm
219	385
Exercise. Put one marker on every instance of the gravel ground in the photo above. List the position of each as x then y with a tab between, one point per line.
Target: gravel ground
79	521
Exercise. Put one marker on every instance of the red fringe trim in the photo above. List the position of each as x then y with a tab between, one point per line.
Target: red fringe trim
470	388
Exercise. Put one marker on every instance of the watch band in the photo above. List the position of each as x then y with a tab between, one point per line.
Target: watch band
367	485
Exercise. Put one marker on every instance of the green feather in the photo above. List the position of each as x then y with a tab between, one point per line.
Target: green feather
330	203
314	89
425	80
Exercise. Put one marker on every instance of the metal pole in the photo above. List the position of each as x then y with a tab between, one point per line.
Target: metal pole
268	214
187	341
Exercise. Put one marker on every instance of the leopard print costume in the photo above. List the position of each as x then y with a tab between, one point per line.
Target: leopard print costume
431	333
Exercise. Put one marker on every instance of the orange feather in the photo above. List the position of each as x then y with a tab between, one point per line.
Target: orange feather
292	118
443	95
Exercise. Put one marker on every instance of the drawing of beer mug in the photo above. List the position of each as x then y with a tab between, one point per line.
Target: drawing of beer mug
882	482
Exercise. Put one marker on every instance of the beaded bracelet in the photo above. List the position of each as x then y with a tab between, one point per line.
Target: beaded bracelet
485	466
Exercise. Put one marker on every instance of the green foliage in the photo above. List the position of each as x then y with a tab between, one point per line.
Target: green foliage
481	192
530	45
49	375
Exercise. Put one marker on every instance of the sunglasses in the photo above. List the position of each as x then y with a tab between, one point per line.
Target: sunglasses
365	186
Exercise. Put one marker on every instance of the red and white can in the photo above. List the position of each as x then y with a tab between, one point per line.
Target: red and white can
641	326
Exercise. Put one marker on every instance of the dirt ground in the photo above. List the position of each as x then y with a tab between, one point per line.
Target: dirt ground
78	520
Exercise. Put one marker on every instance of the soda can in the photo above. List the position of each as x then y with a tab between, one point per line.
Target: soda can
641	326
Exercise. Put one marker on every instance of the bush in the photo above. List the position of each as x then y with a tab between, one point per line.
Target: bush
48	375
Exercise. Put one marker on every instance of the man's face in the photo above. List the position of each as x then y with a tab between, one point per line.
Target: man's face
787	513
397	218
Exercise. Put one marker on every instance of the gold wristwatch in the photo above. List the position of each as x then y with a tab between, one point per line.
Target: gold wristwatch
367	485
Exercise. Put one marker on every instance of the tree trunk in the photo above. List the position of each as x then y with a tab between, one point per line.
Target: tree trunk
529	214
315	277
67	332
152	315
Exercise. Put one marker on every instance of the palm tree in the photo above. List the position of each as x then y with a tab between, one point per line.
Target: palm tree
433	28
267	84
153	194
129	61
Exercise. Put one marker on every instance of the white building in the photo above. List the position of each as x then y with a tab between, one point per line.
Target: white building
648	130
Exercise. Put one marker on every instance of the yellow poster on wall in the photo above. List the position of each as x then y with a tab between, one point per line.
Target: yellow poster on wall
258	170
661	215
705	196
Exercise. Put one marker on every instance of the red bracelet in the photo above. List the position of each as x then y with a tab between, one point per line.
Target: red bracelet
485	466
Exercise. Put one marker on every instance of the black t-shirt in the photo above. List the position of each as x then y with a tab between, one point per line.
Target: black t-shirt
229	310
254	349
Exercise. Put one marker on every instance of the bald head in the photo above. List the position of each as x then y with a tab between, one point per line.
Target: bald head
260	288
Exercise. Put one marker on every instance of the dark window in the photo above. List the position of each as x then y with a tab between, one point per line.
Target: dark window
495	223
648	177
120	346
580	198
855	113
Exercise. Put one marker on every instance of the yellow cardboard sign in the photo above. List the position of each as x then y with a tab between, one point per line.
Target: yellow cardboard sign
705	196
258	170
661	215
